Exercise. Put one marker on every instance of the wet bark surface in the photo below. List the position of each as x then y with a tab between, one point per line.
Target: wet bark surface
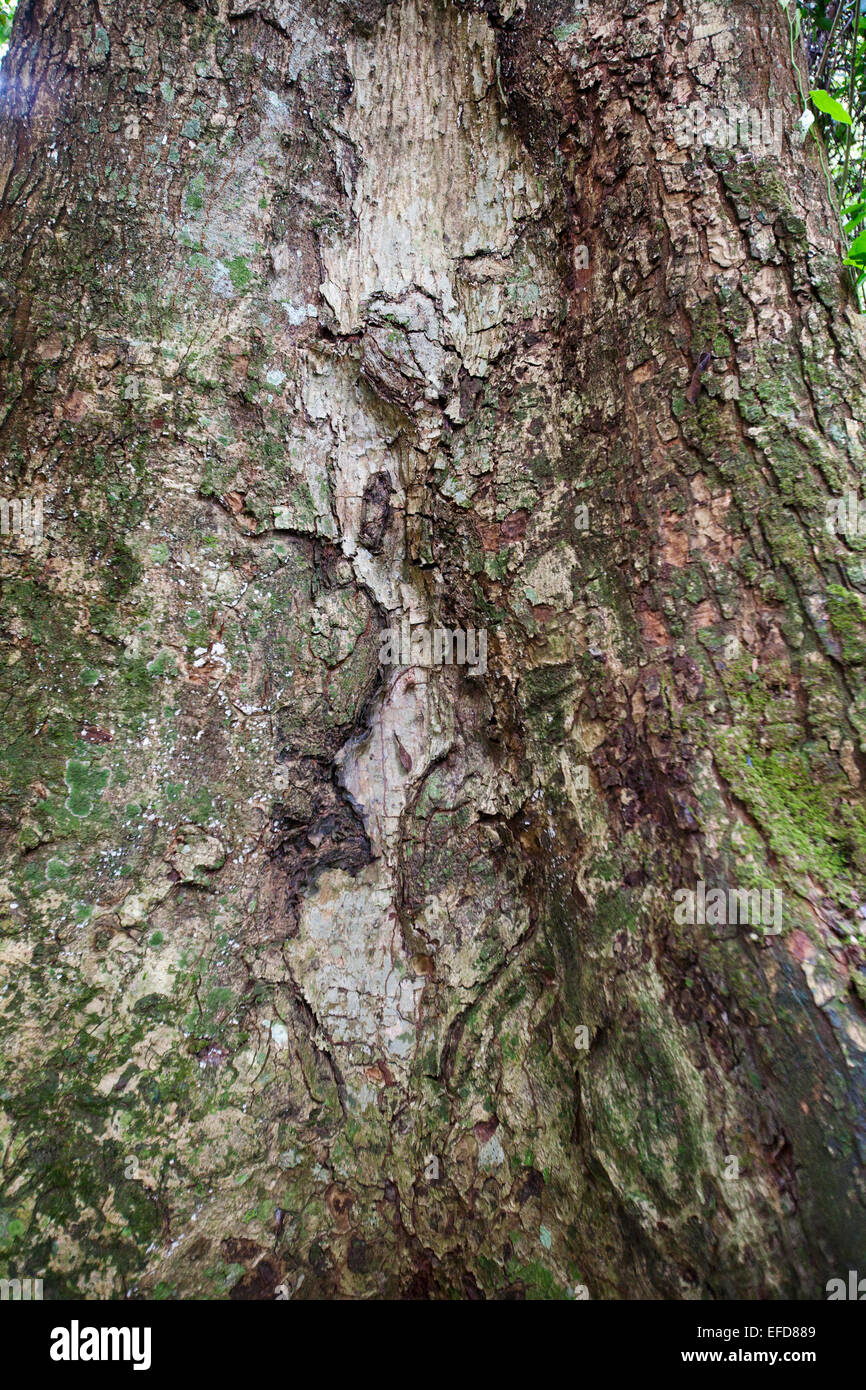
329	977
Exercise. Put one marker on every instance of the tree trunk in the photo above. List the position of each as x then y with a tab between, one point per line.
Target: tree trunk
329	977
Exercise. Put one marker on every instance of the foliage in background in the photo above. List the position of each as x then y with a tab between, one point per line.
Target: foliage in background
7	10
834	37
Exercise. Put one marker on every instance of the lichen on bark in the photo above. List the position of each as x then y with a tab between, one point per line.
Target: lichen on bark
301	950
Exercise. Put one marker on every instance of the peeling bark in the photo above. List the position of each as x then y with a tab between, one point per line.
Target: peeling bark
357	980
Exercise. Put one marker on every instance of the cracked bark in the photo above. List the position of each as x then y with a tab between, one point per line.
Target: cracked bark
299	344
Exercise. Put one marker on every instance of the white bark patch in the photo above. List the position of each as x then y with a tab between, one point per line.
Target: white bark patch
347	954
449	179
412	709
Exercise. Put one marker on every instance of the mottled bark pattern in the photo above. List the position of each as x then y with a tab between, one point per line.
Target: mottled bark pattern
299	344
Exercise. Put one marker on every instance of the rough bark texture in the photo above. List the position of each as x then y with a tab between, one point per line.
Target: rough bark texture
298	343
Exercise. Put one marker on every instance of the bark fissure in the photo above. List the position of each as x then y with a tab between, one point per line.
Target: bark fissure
301	345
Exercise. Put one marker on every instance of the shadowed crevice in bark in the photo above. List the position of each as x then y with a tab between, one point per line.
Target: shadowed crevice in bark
322	320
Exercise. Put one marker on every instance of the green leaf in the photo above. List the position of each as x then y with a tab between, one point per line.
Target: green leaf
858	247
854	214
7	10
829	105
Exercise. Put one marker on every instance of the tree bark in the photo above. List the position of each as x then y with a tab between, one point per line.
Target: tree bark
330	978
